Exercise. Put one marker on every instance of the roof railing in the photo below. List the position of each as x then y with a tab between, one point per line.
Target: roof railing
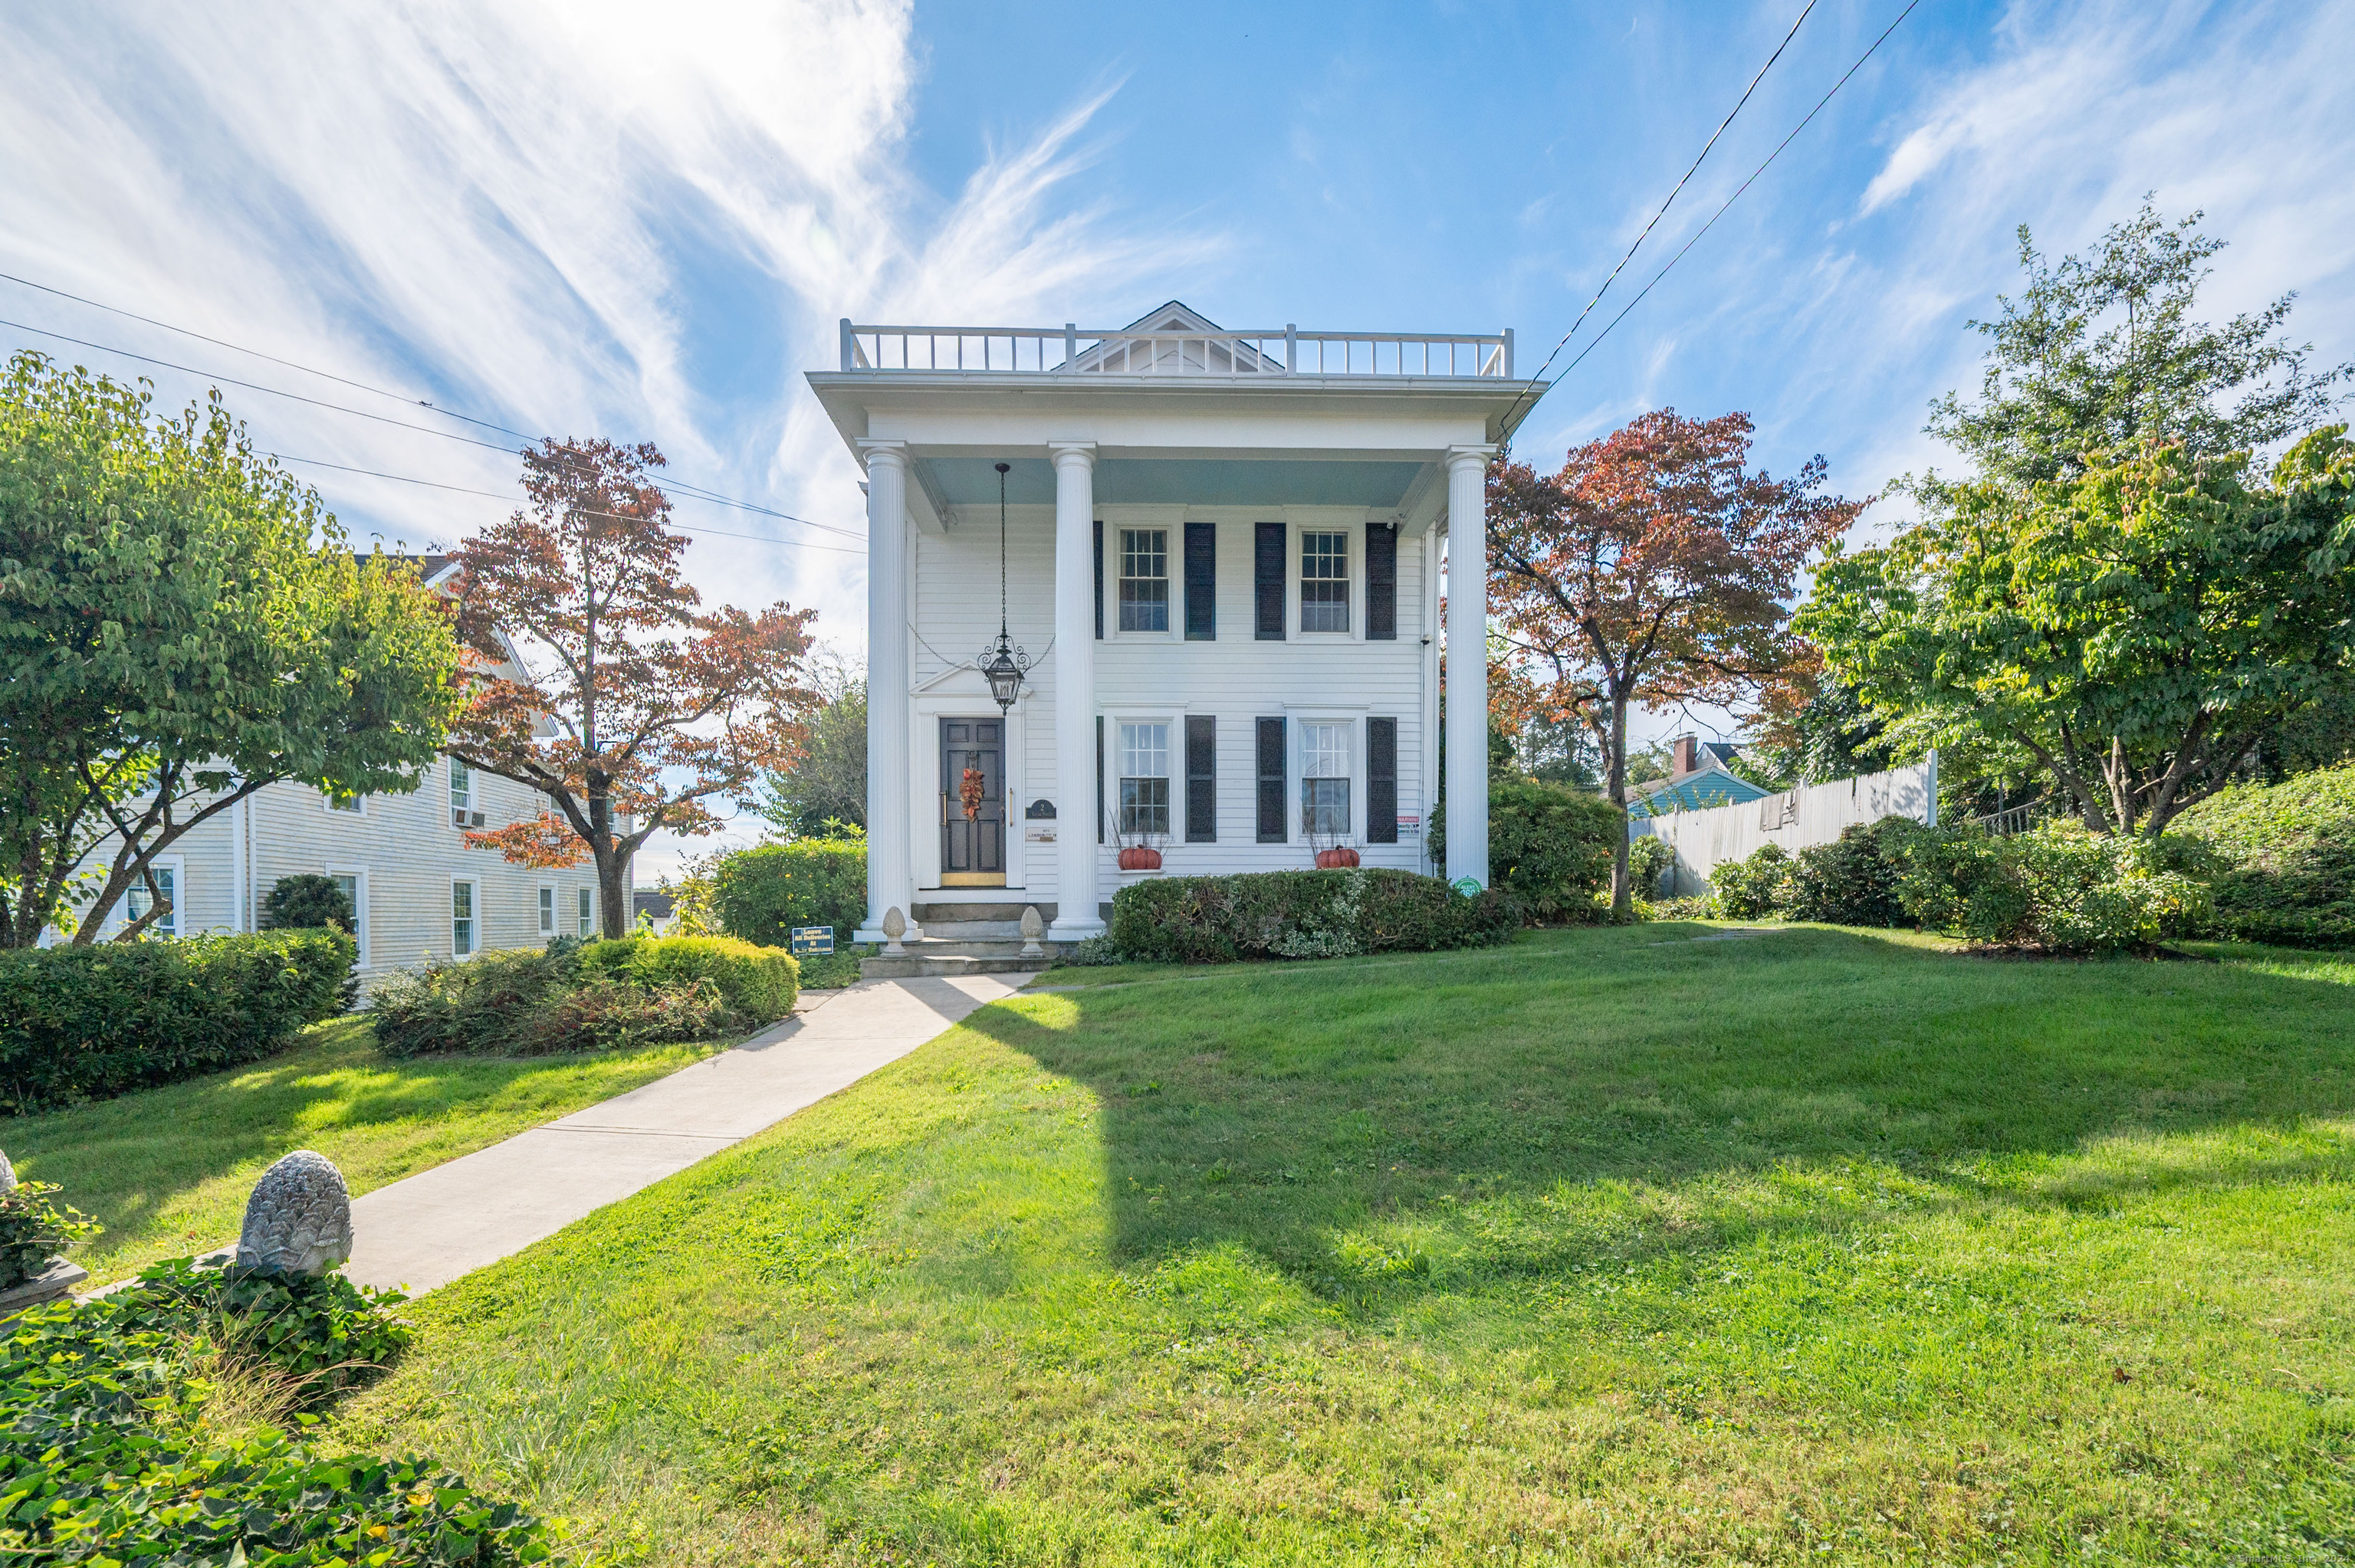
1119	351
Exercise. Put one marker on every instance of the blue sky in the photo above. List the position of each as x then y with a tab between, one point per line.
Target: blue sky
644	224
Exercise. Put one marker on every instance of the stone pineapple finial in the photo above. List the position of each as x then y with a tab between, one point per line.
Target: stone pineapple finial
1032	929
299	1219
895	925
8	1175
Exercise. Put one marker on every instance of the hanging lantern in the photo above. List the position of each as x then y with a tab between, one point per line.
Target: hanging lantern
1003	664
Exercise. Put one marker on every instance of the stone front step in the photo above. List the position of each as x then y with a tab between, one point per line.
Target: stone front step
973	931
918	964
925	914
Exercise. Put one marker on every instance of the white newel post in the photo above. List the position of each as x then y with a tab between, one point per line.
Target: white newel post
1075	692
1467	664
891	876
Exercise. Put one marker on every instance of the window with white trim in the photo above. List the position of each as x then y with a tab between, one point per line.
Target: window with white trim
137	902
1144	800
547	910
465	927
354	887
356	804
1144	579
585	907
1324	581
463	811
1325	779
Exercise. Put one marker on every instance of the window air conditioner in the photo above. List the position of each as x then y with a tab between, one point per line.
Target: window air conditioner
460	819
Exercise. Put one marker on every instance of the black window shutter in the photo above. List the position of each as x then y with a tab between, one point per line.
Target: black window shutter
1381	780
1271	778
1100	810
1201	775
1100	628
1267	584
1381	581
1201	582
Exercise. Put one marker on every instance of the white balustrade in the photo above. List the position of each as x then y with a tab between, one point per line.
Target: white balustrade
1069	350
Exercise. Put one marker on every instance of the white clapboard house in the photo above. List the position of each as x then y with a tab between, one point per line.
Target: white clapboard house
1222	555
419	892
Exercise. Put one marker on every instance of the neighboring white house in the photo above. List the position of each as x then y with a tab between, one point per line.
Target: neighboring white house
418	891
1224	551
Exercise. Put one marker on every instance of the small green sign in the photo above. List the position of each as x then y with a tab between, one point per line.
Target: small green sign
1467	885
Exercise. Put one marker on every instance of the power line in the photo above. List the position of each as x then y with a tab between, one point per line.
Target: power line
1745	184
585	511
1677	191
695	492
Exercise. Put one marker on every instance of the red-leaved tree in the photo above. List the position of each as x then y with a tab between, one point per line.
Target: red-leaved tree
594	677
1652	568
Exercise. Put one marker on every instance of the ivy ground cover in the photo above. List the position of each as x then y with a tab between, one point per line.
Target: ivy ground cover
167	1171
1613	1246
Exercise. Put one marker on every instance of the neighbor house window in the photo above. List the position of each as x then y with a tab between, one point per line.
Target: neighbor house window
348	883
137	902
1325	779
463	931
356	804
1144	579
548	912
585	907
1324	582
1144	779
463	811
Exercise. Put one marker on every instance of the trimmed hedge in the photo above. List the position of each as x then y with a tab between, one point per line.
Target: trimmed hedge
761	893
2288	853
486	1004
79	1023
1301	915
757	984
1550	848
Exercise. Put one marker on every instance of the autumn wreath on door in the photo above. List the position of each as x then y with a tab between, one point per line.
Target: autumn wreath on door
969	791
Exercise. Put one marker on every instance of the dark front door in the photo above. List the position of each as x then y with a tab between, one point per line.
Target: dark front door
973	803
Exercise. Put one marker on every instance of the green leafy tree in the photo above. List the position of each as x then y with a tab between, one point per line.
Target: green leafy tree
182	625
304	900
2138	630
826	784
2102	351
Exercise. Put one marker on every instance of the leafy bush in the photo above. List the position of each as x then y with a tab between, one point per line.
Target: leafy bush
1549	847
2090	893
104	1455
1848	882
471	1005
1301	915
1755	887
1647	859
761	893
1961	880
299	902
603	1014
90	1023
2288	858
756	983
34	1228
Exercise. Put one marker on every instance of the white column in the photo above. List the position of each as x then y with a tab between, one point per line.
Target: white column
891	879
1467	664
1075	692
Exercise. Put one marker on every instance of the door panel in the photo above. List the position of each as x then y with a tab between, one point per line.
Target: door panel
973	842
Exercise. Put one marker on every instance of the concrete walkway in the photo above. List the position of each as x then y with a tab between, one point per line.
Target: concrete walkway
428	1229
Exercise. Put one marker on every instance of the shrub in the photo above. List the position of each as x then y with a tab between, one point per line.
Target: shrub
1961	880
34	1228
1549	847
1848	882
103	1455
478	1004
761	893
1753	888
2288	854
1301	915
297	902
1647	859
757	984
92	1022
2097	894
603	1014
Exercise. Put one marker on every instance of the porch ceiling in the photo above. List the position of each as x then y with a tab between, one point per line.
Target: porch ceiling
1191	482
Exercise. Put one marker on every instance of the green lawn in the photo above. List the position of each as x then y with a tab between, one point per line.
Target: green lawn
1615	1247
167	1171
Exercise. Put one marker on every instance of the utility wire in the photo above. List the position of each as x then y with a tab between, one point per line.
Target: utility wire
1678	190
585	510
1596	341
695	492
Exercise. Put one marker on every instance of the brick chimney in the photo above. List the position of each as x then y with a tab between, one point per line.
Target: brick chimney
1684	757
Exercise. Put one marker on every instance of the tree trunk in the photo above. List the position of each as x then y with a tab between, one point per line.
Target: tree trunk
612	897
1623	896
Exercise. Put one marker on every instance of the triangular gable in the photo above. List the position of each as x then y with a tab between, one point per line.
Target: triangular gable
1217	355
1697	792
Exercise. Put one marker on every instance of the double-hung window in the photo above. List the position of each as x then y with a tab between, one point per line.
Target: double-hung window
356	804
585	908
354	887
464	932
1144	779
1324	581
464	812
1144	579
137	902
1324	779
546	911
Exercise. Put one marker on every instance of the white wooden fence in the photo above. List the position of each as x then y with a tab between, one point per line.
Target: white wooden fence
1811	814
